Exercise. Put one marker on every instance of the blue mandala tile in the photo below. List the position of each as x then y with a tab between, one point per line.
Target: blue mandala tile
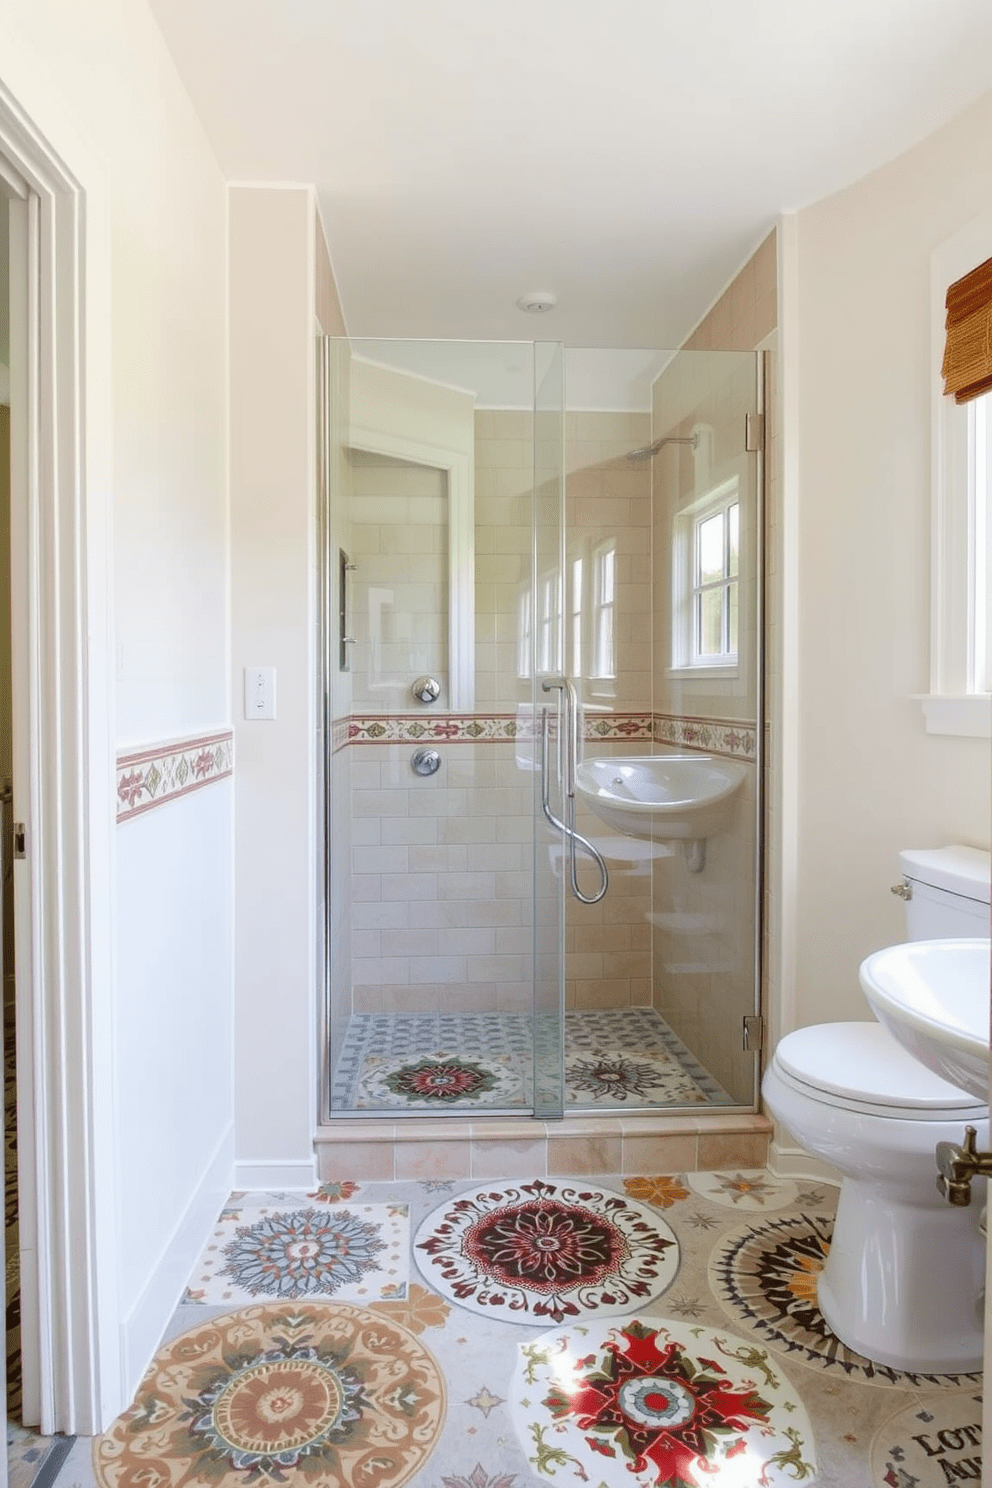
279	1252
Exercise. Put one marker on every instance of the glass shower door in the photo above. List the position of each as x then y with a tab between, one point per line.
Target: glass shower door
443	503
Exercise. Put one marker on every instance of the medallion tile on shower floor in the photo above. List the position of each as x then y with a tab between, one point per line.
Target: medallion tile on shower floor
507	1419
431	1061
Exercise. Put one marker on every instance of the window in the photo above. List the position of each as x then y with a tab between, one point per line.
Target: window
958	701
706	583
604	611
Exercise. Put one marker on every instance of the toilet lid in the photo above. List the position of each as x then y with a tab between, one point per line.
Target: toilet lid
862	1063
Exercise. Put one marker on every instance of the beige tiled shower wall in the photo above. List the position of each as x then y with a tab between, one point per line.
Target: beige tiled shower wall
704	924
608	502
504	485
746	311
441	881
399	587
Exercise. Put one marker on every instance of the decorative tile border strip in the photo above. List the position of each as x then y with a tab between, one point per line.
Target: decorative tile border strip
450	728
715	735
149	777
618	726
339	733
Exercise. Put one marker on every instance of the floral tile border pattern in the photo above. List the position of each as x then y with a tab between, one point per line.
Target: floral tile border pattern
714	735
149	777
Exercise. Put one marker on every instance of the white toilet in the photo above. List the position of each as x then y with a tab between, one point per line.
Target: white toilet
903	1281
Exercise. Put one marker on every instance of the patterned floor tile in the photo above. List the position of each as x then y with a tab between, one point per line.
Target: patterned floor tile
391	1060
541	1252
929	1443
439	1080
649	1401
752	1189
285	1394
358	1253
609	1077
765	1276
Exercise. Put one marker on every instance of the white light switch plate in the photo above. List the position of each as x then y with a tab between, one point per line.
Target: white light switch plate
260	692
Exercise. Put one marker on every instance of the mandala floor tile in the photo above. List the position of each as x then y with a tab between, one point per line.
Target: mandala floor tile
438	1080
545	1251
610	1077
929	1443
765	1276
353	1253
752	1189
295	1395
657	1404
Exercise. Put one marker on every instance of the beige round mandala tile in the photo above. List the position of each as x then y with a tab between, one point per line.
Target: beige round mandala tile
281	1392
934	1441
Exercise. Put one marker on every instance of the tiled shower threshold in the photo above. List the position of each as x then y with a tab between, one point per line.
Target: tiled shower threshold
521	1146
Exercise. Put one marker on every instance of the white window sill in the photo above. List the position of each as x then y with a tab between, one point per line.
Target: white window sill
968	715
698	673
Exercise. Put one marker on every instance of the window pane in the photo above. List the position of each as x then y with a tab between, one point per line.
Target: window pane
733	544
732	595
711	622
709	547
607	576
605	660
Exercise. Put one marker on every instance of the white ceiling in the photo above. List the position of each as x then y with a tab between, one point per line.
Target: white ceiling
627	154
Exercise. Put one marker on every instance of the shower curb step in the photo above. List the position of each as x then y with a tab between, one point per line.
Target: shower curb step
516	1147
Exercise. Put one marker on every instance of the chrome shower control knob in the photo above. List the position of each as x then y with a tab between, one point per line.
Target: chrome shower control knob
426	689
426	762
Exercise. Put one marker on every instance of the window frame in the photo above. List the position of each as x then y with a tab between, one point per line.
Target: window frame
687	660
960	565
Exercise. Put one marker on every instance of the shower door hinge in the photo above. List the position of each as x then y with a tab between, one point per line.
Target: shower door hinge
754	1033
754	432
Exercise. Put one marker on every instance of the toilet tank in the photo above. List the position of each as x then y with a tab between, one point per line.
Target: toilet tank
946	892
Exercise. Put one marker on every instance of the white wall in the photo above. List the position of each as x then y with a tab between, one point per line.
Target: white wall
273	598
870	779
99	82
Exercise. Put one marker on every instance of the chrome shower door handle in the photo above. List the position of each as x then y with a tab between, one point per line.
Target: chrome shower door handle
568	752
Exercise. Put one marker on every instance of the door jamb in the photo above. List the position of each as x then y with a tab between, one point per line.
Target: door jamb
62	687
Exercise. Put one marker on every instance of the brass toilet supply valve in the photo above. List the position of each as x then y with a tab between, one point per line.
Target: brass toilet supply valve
957	1166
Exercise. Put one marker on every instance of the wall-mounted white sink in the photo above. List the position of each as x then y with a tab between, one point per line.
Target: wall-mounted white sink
933	997
680	796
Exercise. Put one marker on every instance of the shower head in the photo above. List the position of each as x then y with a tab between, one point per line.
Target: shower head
650	450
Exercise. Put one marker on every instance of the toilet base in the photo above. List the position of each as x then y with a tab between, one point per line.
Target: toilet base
903	1283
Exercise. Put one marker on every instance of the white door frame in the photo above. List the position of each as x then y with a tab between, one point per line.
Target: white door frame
63	784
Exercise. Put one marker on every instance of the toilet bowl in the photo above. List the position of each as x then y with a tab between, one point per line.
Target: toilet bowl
902	1283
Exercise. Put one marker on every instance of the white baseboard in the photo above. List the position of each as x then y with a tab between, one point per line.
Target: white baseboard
142	1329
293	1173
786	1160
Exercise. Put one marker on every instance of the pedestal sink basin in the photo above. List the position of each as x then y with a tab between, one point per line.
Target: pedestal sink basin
673	796
933	997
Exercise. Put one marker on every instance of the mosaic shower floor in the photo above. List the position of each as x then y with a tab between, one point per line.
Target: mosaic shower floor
614	1058
654	1332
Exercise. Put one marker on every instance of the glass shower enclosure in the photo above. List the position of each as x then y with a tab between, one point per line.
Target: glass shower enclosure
540	578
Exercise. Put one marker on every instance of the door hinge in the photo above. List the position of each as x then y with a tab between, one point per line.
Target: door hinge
20	840
754	1033
754	432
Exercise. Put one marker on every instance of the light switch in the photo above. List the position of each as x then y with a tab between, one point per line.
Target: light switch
260	692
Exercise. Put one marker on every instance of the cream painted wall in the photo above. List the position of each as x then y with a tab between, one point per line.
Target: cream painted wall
870	780
99	83
273	615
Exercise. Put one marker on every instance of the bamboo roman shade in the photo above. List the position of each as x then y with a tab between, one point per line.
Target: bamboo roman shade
967	366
